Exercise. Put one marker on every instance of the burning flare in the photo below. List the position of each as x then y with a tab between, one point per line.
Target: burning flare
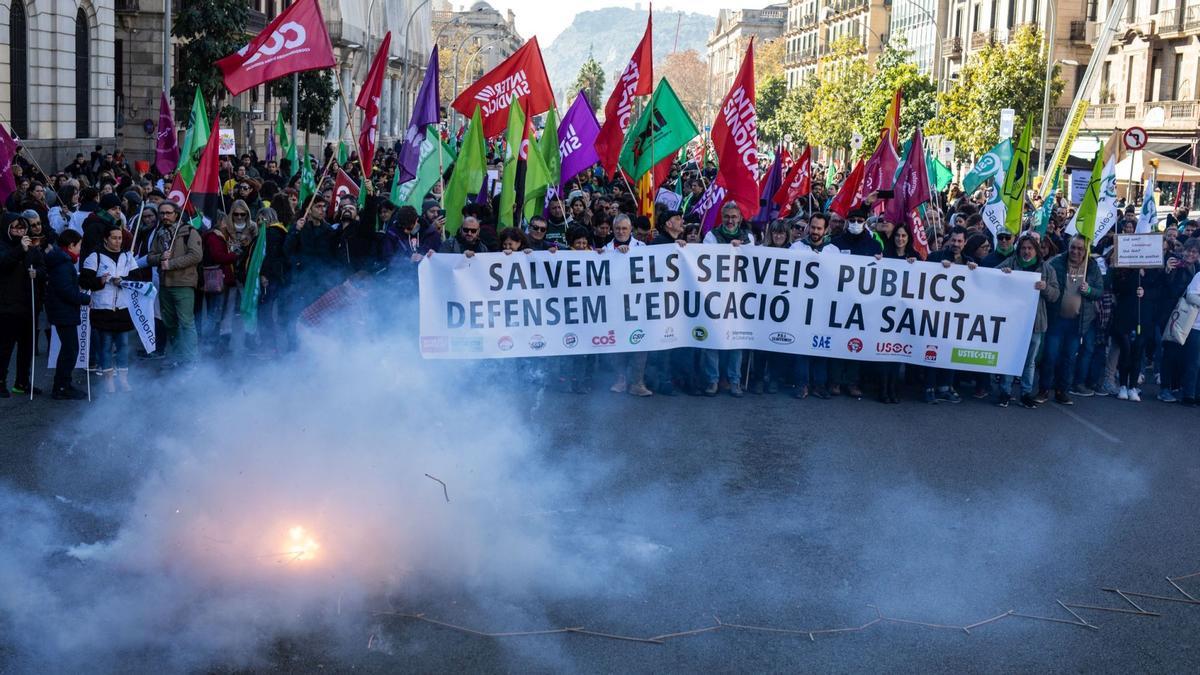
300	545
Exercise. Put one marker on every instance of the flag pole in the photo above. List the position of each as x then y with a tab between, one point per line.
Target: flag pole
295	114
33	330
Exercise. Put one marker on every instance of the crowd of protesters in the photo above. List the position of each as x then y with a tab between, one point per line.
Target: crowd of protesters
70	238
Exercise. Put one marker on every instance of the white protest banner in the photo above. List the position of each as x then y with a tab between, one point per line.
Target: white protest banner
1140	250
84	330
1079	184
141	311
717	297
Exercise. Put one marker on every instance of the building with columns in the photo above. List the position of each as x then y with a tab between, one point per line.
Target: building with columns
79	73
59	75
731	35
473	39
814	25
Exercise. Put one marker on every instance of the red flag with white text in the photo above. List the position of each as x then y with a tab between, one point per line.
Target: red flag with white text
295	41
735	138
368	100
636	80
522	75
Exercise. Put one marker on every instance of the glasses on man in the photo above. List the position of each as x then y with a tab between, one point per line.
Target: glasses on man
240	214
166	212
537	228
470	230
856	220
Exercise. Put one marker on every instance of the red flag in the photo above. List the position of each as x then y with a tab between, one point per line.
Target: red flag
205	193
368	100
787	162
294	42
343	186
636	80
522	75
849	195
735	136
797	184
880	170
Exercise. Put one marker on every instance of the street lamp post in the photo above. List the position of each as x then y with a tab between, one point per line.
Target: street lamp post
404	65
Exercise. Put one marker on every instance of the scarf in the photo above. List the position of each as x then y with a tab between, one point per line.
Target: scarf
73	256
1027	265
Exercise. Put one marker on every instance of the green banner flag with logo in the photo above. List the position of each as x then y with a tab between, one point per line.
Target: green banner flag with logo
940	175
1085	217
429	169
993	163
194	140
343	154
662	129
469	170
1016	180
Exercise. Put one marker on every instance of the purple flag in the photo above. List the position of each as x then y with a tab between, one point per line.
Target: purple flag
770	186
577	139
272	147
8	152
426	111
912	184
881	168
710	205
166	149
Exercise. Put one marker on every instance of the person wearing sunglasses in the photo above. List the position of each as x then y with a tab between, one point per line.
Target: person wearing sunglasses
466	240
536	231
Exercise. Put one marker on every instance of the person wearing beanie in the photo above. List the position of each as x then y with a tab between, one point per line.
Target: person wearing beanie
431	226
97	223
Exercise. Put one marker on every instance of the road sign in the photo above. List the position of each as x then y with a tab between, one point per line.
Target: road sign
947	153
856	141
1007	117
1135	138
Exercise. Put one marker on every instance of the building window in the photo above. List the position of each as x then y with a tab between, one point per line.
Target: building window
18	68
1178	93
83	122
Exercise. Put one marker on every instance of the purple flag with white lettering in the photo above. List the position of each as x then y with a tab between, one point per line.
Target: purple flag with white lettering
577	139
166	148
710	205
426	111
769	209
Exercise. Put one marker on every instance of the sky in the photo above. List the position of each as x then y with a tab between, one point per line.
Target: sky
548	19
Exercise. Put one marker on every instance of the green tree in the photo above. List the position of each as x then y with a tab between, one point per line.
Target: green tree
787	116
997	77
590	80
317	98
838	102
209	30
894	70
769	98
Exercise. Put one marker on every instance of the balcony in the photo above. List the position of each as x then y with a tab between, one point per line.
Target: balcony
1191	18
1168	23
1178	115
127	6
952	47
839	7
1079	31
982	38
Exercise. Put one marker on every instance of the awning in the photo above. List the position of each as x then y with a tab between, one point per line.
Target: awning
1168	170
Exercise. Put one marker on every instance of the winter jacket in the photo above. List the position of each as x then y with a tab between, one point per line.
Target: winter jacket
186	255
457	244
14	275
718	235
1126	312
862	244
1095	282
63	297
1048	294
217	253
275	261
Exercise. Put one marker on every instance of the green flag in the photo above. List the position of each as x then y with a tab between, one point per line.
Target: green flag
1016	180
830	176
542	166
469	170
253	290
194	140
429	169
308	180
993	163
512	151
648	144
1048	204
343	154
281	139
1085	217
940	175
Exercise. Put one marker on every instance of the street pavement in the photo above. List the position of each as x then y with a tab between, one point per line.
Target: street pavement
805	516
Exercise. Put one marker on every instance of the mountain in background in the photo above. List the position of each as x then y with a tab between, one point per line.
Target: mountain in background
611	34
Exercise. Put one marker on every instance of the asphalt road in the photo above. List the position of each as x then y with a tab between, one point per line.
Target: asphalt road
807	516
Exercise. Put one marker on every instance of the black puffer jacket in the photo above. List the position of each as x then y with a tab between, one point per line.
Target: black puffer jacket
14	272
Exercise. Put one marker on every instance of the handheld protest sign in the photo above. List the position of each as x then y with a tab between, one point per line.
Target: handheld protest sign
1139	250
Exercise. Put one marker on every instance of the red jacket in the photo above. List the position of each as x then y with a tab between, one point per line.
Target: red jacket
216	252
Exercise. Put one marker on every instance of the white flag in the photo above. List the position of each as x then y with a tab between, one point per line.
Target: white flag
1148	218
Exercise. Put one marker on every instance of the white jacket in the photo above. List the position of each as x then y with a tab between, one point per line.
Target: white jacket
111	296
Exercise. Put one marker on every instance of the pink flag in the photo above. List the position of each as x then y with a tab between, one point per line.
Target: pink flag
8	152
166	148
880	169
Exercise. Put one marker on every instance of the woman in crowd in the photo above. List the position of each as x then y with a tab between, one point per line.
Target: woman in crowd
102	273
1027	258
899	246
512	239
1136	295
767	368
221	254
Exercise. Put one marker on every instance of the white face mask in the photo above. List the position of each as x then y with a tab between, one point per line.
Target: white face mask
239	225
855	227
